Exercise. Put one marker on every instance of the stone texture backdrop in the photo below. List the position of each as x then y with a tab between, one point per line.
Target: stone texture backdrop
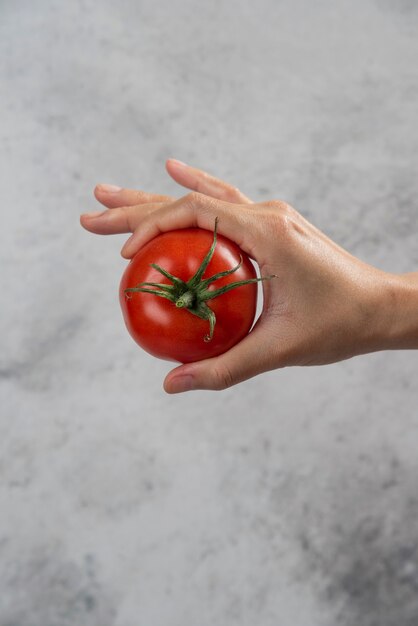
290	500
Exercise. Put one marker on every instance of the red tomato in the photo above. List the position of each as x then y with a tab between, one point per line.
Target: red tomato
172	333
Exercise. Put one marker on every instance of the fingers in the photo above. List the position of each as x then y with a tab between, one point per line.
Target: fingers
198	180
194	210
253	355
112	196
193	178
121	220
130	206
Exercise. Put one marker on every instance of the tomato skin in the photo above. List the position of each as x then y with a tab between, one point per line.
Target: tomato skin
175	334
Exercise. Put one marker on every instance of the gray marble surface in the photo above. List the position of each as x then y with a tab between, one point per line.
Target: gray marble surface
291	500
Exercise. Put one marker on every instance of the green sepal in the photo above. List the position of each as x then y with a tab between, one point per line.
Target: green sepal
205	283
209	295
205	313
156	292
196	280
176	281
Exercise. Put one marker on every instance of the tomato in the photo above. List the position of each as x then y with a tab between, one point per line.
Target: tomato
172	331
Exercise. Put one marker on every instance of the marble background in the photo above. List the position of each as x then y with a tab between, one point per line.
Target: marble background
290	500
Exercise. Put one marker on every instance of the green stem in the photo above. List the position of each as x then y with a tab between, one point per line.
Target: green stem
186	300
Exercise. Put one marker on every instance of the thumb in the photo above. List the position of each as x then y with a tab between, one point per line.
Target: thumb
251	356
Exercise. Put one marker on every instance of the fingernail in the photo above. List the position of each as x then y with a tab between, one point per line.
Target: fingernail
109	188
182	383
94	214
179	163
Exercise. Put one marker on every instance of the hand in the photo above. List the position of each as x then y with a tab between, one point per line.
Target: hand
324	306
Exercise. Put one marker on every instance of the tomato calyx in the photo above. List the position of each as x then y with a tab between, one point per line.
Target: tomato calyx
195	293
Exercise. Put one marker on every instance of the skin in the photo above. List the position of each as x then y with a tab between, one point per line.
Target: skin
325	305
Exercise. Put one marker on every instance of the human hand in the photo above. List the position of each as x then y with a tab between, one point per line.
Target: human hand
324	306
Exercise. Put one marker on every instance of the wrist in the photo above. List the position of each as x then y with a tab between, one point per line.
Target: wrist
401	304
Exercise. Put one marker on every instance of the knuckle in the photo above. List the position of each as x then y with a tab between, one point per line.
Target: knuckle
199	204
131	220
127	216
190	205
140	197
194	198
282	217
277	206
223	378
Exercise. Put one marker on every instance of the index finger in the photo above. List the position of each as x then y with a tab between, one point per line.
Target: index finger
195	211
